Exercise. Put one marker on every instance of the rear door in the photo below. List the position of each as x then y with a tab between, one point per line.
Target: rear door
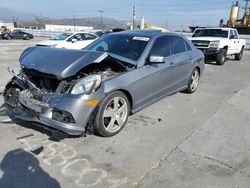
181	60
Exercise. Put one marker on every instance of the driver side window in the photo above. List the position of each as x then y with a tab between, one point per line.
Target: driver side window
232	36
76	36
161	47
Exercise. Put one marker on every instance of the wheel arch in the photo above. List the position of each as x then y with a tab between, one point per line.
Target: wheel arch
225	47
128	95
198	68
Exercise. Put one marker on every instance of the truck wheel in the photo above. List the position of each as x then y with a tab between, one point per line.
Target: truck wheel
239	55
221	57
112	114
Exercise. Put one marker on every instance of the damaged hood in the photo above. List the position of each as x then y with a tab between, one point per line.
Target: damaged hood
62	63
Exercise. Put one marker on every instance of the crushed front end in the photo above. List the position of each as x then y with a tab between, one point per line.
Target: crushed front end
38	97
60	88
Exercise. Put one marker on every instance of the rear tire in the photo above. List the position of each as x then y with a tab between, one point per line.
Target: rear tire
221	57
112	114
239	55
8	37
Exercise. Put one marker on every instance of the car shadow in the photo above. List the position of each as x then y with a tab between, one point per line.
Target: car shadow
53	134
211	61
20	168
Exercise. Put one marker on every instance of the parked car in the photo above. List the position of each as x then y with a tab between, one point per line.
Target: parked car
98	88
217	43
18	34
77	40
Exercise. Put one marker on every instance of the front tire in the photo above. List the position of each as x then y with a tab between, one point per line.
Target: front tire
221	57
112	114
239	55
193	81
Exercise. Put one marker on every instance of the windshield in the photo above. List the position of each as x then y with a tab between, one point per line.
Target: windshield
128	46
211	33
197	33
62	36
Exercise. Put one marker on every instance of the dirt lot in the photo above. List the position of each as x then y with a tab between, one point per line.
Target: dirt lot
199	140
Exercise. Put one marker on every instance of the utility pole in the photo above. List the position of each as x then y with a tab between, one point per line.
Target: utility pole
74	22
134	17
246	7
101	12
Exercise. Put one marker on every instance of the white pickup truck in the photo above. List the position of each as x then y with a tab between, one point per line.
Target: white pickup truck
217	43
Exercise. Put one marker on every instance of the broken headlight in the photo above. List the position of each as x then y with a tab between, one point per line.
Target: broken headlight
86	85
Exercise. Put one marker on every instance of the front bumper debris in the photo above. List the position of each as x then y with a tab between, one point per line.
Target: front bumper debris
65	112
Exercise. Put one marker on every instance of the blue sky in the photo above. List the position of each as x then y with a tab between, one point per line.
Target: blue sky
174	14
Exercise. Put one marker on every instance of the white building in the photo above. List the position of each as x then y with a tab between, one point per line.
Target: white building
63	28
8	25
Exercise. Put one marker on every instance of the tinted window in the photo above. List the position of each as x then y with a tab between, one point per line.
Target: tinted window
177	44
161	47
188	48
213	33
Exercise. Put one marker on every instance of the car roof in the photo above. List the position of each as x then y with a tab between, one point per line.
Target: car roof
224	28
145	33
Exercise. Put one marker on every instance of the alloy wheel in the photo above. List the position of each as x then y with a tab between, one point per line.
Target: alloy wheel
194	80
115	114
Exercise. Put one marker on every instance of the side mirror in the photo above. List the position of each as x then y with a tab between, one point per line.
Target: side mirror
73	40
156	59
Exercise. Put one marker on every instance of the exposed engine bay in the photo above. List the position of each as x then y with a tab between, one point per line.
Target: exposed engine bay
48	83
32	90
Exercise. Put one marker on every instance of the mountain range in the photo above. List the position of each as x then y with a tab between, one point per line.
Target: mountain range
25	19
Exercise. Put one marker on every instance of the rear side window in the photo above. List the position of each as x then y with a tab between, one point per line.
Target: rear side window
89	37
177	44
188	48
161	47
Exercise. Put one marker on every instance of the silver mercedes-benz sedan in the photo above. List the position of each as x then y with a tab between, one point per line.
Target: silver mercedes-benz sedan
97	88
